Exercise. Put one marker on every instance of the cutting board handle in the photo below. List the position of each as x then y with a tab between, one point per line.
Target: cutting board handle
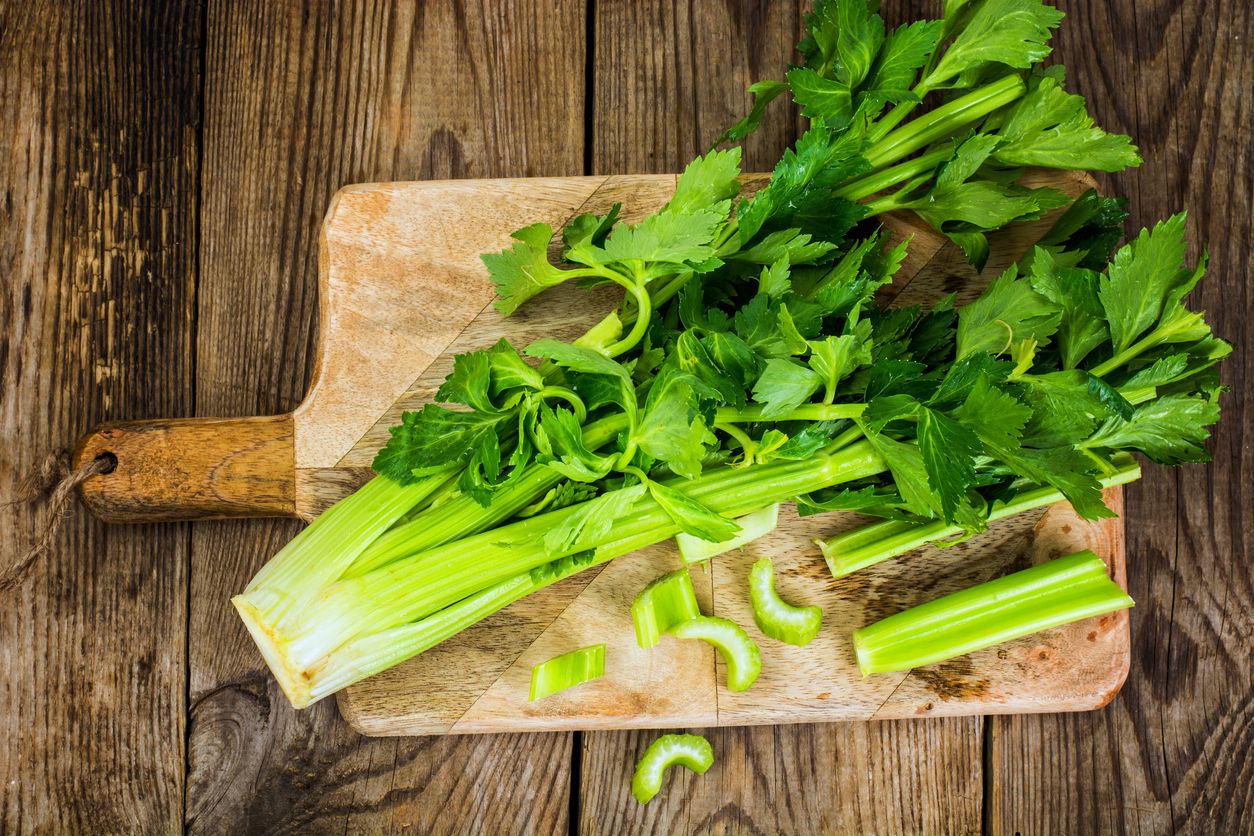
194	468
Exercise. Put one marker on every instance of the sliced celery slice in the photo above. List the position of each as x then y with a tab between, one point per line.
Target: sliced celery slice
567	671
775	616
1058	592
752	526
744	661
690	750
662	604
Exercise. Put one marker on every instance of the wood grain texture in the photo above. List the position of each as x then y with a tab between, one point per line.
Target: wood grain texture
98	259
664	93
1173	752
795	779
99	103
194	468
301	99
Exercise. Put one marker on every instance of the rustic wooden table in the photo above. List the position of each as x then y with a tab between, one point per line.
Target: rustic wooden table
163	170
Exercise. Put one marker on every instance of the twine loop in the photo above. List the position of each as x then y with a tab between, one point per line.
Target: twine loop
53	481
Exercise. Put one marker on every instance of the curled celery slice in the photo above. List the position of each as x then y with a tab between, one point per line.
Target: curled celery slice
775	616
662	604
567	671
744	661
1058	592
690	750
752	526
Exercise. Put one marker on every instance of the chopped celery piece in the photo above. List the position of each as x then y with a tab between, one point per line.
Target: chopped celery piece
567	671
690	750
744	661
752	526
869	544
1058	592
775	616
662	604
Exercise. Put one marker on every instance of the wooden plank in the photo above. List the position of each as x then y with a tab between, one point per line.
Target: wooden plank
664	94
879	777
1172	751
661	97
302	99
98	180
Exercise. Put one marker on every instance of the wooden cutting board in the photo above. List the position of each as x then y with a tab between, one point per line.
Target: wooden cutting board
402	290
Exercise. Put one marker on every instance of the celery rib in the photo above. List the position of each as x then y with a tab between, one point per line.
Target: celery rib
869	544
423	599
1054	593
462	515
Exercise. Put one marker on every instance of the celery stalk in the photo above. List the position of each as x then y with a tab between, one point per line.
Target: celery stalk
1054	593
461	515
417	601
322	552
869	544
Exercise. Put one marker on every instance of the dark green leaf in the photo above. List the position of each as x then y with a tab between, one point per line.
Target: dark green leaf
670	428
1140	278
469	382
1050	127
764	92
1074	291
590	230
821	98
569	455
1170	430
509	370
1014	33
909	474
905	51
783	386
1008	312
706	181
948	450
432	439
790	245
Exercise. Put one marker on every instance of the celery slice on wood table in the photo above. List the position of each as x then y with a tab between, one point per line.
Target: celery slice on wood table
775	617
743	659
1057	592
869	544
689	750
662	604
567	671
752	527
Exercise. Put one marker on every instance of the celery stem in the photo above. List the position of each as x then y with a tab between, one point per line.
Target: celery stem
945	120
878	541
